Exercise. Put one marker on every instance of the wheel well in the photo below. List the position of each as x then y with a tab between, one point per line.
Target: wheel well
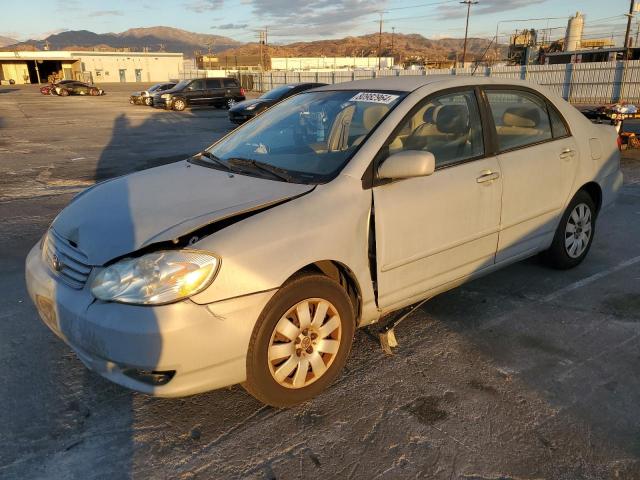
595	192
341	274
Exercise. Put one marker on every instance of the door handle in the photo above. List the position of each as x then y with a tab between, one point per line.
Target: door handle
488	176
567	152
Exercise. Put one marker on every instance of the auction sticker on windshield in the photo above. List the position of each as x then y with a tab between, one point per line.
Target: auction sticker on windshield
374	97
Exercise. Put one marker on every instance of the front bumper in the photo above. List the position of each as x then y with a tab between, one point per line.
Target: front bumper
241	116
205	345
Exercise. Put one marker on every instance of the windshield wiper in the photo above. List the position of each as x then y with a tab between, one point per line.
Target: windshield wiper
216	160
265	167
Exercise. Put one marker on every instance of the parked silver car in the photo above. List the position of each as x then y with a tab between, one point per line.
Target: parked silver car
145	97
254	261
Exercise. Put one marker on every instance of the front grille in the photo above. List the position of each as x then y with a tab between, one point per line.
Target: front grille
65	260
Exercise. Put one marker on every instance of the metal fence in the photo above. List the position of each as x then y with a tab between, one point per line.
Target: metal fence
589	83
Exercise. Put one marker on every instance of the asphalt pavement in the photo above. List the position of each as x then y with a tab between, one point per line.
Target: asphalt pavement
527	373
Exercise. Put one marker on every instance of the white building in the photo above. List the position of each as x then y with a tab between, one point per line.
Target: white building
37	67
317	64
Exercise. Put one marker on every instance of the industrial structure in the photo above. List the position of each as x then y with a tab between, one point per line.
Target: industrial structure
43	66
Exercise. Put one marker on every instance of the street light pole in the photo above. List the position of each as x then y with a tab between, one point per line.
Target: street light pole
468	3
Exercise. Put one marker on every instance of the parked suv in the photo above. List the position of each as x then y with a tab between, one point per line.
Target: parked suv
219	92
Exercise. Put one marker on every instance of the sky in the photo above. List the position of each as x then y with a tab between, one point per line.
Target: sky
291	20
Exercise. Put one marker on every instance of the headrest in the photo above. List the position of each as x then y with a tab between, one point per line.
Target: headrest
524	117
372	115
429	115
453	119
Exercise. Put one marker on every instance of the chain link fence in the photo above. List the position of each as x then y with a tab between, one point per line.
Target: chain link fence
581	83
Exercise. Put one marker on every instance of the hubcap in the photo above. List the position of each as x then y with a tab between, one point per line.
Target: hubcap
231	103
304	343
577	232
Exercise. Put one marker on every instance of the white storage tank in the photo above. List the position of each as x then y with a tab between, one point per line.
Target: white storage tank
574	33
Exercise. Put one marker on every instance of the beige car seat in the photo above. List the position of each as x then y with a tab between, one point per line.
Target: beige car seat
519	127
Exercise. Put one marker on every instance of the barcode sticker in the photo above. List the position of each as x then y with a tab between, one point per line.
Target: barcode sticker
374	97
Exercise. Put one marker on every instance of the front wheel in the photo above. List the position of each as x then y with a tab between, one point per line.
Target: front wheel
179	105
300	342
64	92
148	101
574	235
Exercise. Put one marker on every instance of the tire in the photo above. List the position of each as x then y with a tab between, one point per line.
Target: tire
148	101
64	92
179	105
574	235
275	360
230	102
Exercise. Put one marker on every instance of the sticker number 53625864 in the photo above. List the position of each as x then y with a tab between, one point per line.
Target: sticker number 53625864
374	97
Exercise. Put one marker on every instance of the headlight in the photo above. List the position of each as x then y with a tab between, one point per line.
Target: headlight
165	95
251	107
156	278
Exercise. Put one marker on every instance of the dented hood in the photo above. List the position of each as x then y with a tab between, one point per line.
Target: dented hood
127	213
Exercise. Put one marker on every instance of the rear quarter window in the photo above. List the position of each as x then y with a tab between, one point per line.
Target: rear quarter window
229	83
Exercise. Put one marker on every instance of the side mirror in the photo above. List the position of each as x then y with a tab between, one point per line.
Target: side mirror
407	164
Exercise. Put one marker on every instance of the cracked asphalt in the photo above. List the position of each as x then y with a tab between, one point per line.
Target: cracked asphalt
527	373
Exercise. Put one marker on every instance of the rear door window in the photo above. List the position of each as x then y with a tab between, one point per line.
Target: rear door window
521	118
213	83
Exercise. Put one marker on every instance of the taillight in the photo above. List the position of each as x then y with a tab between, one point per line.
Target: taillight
241	91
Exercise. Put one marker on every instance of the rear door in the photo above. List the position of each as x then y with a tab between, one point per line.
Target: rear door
215	93
538	158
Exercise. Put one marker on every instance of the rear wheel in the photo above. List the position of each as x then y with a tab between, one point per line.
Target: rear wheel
301	341
148	101
574	234
64	92
94	92
179	105
230	102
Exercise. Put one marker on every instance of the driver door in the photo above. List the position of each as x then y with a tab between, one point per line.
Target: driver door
441	228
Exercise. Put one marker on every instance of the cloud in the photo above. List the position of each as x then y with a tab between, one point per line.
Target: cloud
230	26
484	7
315	17
107	13
203	6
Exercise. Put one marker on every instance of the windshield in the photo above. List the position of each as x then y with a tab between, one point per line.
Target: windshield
182	83
278	92
310	136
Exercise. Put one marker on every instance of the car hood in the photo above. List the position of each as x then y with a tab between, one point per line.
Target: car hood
256	101
127	213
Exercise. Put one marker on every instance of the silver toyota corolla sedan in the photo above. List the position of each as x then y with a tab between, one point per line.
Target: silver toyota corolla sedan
254	261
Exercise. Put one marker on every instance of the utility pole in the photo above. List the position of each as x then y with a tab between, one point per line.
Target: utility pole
393	32
627	50
380	40
637	33
468	3
260	42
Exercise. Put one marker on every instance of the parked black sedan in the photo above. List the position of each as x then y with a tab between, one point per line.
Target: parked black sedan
76	88
243	111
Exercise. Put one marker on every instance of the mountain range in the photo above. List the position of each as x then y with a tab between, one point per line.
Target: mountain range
402	46
154	39
7	41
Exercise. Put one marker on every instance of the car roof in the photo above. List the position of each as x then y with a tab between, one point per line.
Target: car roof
409	83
